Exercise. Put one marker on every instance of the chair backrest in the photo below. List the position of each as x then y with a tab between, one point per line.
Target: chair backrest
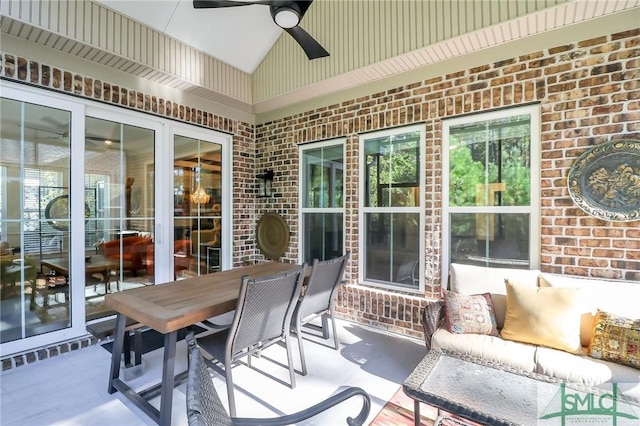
204	407
264	310
322	284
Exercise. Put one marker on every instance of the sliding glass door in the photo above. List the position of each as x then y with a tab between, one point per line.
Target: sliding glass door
40	219
198	204
95	201
119	169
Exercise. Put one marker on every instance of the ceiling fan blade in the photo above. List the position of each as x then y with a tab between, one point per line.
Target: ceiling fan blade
304	6
56	123
44	130
210	4
311	47
100	139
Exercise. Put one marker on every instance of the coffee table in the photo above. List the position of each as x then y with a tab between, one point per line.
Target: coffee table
488	393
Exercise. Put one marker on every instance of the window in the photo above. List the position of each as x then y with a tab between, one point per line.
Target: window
491	201
391	218
322	200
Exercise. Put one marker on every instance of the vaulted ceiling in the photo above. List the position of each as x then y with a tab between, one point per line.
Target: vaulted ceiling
239	59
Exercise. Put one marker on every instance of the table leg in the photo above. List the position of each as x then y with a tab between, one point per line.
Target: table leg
116	351
137	346
416	412
168	377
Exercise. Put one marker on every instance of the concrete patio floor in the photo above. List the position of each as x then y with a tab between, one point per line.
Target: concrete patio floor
71	389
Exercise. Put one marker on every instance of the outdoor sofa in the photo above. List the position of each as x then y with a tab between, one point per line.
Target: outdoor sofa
579	330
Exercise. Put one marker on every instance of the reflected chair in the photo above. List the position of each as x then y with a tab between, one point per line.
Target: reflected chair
318	300
130	251
12	268
262	318
408	273
181	257
204	407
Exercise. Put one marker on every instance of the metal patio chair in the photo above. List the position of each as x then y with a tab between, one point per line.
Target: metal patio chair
318	300
263	317
204	407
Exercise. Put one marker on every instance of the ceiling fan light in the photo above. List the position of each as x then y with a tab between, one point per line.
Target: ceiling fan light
286	17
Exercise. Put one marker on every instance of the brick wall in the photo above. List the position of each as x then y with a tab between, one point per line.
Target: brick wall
589	93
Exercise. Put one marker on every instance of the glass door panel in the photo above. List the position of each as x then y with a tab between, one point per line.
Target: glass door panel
34	219
120	206
197	207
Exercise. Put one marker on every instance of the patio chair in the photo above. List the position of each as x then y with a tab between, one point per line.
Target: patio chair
263	317
318	300
204	407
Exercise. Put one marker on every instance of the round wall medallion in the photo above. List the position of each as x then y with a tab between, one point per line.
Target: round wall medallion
57	213
605	181
272	235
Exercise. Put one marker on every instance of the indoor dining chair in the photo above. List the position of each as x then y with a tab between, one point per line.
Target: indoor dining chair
318	300
204	407
262	318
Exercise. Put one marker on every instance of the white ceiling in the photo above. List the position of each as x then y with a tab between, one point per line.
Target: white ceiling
239	36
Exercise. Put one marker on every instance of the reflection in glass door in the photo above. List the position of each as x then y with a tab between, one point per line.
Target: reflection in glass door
34	219
197	207
120	209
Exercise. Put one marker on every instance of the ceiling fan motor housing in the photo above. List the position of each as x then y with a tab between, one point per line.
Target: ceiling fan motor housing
287	16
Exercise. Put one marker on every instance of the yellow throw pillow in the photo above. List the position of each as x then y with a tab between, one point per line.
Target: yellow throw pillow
543	316
616	339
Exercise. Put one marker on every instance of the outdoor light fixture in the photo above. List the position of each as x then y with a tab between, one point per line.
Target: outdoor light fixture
287	16
265	183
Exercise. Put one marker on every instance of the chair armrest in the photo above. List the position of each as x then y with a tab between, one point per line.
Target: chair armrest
315	410
432	317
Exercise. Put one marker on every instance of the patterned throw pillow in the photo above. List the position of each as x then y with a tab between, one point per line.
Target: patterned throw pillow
469	314
616	339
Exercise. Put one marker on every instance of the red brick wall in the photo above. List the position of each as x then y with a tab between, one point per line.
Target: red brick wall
589	93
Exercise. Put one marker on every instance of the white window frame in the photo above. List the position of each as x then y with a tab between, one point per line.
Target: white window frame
420	208
534	207
302	185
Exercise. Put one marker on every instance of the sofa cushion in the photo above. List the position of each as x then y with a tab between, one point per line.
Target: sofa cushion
588	371
472	279
469	314
598	294
543	316
616	339
490	348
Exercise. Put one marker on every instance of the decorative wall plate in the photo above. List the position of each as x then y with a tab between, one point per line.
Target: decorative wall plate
272	235
57	213
605	180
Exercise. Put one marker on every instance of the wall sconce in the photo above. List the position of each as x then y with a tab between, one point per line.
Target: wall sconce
265	183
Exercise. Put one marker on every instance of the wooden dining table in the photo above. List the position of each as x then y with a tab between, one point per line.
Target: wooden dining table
168	308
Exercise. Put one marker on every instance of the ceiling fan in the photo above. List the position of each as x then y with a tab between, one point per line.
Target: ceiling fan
63	135
287	14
